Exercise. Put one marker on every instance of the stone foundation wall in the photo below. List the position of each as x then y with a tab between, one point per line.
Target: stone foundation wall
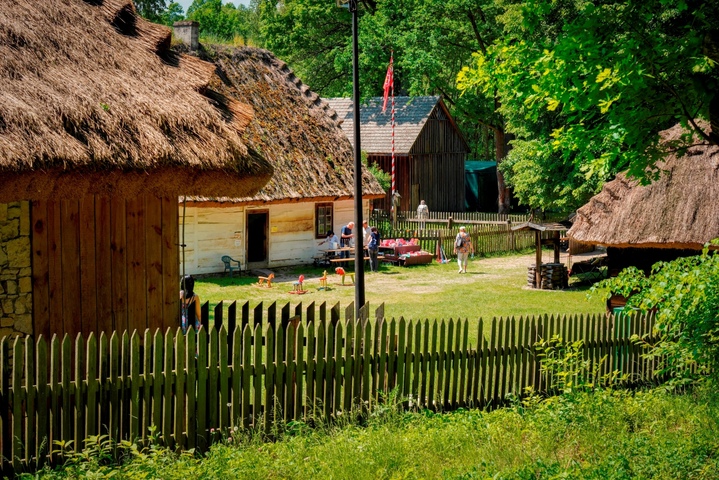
15	270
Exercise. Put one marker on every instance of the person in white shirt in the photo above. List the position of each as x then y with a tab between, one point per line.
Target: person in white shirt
422	213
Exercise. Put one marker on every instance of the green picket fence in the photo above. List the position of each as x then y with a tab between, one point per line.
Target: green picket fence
310	363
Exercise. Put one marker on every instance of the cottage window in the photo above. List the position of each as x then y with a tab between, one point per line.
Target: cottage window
323	219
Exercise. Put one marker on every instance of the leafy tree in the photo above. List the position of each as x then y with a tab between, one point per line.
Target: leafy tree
150	9
221	21
587	85
173	13
431	40
685	295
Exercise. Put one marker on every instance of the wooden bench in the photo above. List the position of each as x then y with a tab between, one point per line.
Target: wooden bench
352	259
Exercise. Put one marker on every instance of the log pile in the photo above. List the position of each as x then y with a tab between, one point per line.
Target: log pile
554	276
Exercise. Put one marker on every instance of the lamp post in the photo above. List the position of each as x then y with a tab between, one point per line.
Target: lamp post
359	242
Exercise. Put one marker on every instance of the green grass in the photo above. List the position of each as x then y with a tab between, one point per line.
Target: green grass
494	287
599	435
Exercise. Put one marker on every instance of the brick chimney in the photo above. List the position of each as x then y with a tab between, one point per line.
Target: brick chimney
187	31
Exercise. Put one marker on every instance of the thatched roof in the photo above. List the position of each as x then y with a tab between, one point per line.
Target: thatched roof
411	115
679	210
312	158
93	101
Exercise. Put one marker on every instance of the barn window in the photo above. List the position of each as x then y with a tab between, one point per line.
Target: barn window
323	219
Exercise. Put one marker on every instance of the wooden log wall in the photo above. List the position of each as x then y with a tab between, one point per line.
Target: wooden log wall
104	265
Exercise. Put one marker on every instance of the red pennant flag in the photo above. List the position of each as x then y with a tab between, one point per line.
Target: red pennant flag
388	83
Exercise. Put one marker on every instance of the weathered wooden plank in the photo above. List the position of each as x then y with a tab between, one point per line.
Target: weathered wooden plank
213	384
134	386
146	407
367	353
55	405
87	262
43	399
455	365
70	254
152	231
269	377
280	369
348	366
191	380
137	288
408	360
218	314
310	368
433	357
442	360
118	245
103	265
463	380
288	402
225	379
17	398
124	391
41	254
257	371
319	376
357	362
237	376
244	408
299	371
67	413
338	368
401	355
30	403
158	380
170	265
329	367
202	404
92	423
180	387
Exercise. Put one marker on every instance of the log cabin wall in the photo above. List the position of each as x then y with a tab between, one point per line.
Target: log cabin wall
214	231
434	169
104	264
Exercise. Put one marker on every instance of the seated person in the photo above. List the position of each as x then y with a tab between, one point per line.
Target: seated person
332	240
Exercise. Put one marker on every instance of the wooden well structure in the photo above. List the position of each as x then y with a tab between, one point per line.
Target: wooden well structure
555	271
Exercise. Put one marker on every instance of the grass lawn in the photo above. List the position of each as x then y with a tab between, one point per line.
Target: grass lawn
493	287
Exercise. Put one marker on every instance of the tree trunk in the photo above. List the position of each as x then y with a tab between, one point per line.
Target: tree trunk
501	148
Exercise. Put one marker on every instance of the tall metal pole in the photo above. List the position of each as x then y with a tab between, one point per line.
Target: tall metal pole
359	241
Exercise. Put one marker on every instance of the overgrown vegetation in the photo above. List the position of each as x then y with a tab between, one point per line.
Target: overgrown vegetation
685	295
585	432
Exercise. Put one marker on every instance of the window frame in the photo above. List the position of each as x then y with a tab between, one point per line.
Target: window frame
320	216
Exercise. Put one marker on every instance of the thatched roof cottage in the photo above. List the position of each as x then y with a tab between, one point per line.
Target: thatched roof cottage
102	126
311	190
673	216
430	151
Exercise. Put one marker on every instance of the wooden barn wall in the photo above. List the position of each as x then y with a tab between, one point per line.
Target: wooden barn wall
212	232
103	265
433	171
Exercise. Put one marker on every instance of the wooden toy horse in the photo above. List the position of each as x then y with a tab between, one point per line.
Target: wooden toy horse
323	281
266	281
341	272
298	286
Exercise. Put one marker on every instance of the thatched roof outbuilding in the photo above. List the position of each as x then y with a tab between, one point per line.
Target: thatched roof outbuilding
311	156
95	102
680	210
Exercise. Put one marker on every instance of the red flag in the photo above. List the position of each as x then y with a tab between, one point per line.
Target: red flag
388	82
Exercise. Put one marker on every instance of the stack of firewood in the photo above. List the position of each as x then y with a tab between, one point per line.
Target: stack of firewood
554	275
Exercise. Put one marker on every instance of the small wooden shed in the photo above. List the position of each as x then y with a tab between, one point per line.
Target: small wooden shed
430	151
102	127
311	190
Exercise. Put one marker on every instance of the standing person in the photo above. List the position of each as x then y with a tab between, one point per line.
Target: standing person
422	213
373	248
346	237
463	247
191	314
366	233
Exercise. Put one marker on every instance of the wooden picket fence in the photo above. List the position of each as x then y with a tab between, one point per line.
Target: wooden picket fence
410	217
486	238
310	362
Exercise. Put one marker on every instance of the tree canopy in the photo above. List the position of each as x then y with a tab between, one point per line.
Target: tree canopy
585	86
